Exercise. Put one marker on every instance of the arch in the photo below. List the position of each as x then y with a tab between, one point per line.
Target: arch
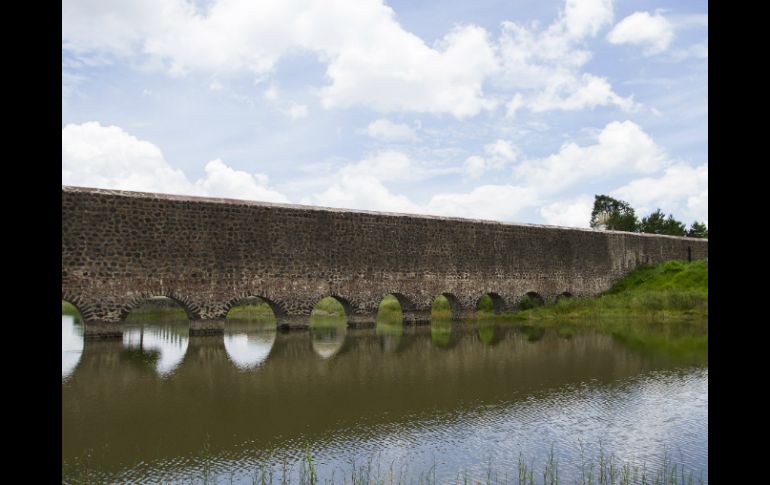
84	308
190	309
77	313
387	311
564	295
531	299
455	308
276	308
72	340
320	316
346	305
497	302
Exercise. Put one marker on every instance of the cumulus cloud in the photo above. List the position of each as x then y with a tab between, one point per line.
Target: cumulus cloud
386	130
681	190
371	60
544	64
107	157
497	202
496	156
621	147
574	212
654	32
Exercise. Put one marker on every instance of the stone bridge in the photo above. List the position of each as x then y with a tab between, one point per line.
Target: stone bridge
121	248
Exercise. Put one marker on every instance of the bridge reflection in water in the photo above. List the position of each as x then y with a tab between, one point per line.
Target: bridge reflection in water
254	391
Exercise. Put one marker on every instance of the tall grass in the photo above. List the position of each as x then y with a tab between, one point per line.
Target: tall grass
603	469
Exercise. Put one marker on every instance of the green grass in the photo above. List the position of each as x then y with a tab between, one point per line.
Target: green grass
389	311
261	311
150	312
674	289
68	308
440	308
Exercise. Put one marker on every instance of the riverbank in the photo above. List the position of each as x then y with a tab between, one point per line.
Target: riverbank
674	290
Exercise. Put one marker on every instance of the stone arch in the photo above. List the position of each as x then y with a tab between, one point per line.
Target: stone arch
564	295
276	307
454	305
530	300
84	308
346	304
498	303
191	310
77	307
405	304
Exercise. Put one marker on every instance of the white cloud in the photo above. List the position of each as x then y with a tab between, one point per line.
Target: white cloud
574	212
640	28
572	93
496	156
386	130
362	192
496	202
682	190
582	18
296	111
291	109
223	181
621	147
107	157
371	60
544	64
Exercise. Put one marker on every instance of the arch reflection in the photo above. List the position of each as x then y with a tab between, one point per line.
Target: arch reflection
442	333
489	334
163	344
71	344
248	344
327	340
389	335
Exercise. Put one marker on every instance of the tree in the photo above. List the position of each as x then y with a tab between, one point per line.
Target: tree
609	213
698	230
657	223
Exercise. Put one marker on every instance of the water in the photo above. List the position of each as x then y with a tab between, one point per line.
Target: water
444	400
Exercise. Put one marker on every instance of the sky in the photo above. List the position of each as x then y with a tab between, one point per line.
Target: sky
515	110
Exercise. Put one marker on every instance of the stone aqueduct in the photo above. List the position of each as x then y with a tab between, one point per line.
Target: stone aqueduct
120	248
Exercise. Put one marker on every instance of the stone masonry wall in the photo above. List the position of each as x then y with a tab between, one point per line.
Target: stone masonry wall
120	248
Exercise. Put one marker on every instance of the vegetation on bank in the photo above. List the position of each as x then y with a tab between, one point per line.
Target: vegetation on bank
670	290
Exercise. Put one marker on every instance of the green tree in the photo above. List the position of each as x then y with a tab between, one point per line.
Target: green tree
657	223
613	214
698	230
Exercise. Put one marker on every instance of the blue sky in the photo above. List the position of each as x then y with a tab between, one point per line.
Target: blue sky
507	110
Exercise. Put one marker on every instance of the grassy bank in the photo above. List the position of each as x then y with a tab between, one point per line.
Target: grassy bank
671	290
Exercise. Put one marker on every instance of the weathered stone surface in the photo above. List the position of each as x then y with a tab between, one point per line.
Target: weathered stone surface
121	248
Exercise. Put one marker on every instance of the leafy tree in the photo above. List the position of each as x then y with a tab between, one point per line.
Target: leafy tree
657	223
698	230
613	214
